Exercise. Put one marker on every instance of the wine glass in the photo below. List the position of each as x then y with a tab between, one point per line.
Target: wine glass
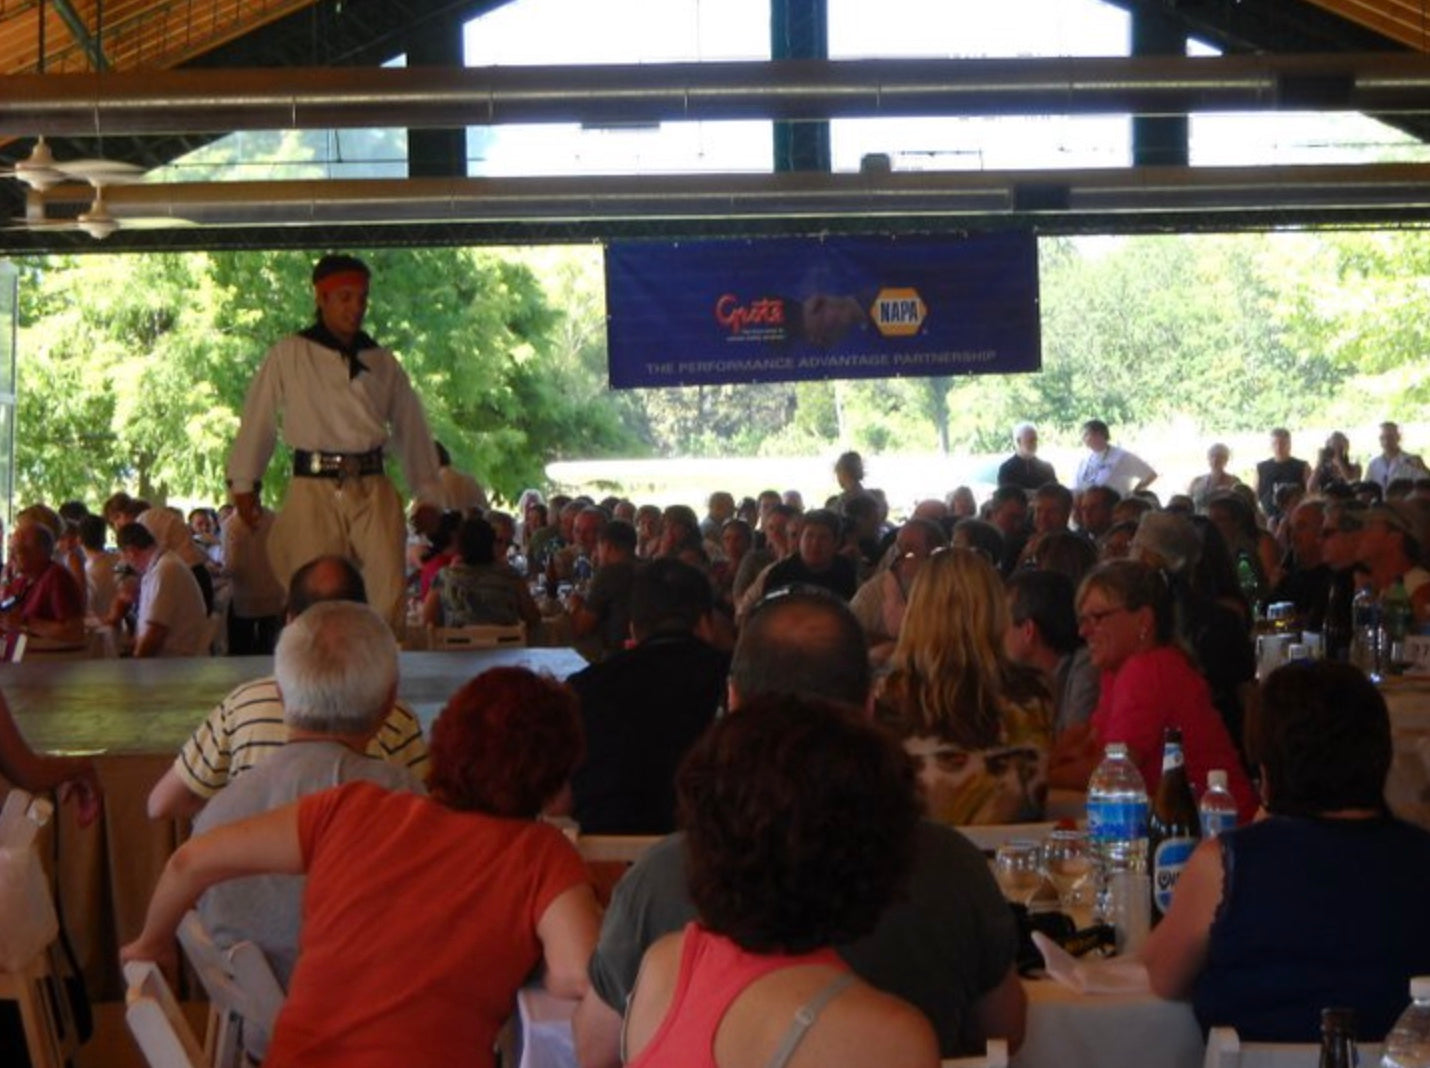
1067	861
1016	866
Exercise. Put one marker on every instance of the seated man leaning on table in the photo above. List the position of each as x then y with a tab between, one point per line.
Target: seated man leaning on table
946	946
336	668
247	725
171	619
1322	901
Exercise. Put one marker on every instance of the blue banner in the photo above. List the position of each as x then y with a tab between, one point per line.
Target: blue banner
783	309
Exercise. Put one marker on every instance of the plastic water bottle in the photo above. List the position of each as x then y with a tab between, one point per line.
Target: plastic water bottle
1366	652
1408	1044
1116	823
1218	807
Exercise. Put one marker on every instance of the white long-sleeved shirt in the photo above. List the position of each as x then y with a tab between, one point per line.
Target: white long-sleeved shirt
323	410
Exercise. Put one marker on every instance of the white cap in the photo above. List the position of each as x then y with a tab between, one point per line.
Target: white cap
1216	779
1116	749
1420	988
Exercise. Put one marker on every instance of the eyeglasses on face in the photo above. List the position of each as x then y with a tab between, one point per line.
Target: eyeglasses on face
1096	619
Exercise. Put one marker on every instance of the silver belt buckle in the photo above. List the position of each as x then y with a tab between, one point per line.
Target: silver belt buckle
315	463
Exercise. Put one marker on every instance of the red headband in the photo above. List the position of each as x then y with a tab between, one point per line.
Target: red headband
339	279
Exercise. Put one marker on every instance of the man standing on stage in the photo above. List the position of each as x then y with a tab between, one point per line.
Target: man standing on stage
342	397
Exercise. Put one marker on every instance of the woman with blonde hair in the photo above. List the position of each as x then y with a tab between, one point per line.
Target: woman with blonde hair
978	725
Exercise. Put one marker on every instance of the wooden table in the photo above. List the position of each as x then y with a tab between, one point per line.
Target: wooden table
133	715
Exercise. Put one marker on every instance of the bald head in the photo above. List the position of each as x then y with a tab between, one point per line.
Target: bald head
325	578
802	643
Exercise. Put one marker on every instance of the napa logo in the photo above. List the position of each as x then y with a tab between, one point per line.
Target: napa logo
898	311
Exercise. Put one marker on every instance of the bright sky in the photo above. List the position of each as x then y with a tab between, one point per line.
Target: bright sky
526	32
628	31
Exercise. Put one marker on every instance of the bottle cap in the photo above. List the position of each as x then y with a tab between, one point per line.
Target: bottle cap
1420	988
1116	749
1216	779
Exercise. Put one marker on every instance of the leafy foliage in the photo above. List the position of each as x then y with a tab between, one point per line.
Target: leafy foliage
133	369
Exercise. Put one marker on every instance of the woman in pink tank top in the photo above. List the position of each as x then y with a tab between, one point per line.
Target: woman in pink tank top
799	823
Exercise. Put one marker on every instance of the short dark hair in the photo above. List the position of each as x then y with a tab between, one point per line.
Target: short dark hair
852	464
1113	497
134	536
824	517
1047	598
669	595
505	743
619	534
476	541
1096	426
802	640
1005	493
982	536
92	532
800	823
324	578
1322	732
338	263
1055	491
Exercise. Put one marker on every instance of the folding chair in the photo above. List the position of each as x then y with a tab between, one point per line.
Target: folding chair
244	995
155	1021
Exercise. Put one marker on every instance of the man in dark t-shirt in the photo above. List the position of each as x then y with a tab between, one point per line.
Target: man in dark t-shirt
817	562
644	707
1281	469
1023	468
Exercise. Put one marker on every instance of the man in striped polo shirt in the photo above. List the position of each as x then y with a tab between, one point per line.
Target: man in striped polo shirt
247	725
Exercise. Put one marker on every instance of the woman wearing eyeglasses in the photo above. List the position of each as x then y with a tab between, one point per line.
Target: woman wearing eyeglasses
1148	684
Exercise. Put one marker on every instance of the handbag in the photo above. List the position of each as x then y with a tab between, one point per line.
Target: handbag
27	911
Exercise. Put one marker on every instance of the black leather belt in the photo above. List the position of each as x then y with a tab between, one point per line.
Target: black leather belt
336	464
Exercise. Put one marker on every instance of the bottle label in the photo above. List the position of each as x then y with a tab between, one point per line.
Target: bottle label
1213	823
1116	818
1172	757
1167	864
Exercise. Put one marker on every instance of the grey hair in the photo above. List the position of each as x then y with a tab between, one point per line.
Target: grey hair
336	667
1021	429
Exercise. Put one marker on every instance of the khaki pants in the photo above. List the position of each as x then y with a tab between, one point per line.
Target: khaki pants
360	518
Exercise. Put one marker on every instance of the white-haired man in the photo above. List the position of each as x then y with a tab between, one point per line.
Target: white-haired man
336	668
1024	468
248	725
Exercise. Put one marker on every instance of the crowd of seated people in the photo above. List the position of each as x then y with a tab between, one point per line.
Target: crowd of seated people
1000	647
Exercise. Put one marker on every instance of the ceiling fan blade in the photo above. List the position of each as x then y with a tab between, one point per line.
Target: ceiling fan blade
101	171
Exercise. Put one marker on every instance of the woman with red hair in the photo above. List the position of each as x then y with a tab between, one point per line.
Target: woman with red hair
422	916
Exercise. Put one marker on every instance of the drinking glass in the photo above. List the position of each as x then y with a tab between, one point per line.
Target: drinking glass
1067	861
1016	866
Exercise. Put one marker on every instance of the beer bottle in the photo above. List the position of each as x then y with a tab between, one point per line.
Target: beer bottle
1173	826
1338	1038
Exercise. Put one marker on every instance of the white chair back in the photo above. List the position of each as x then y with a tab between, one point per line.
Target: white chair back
994	1056
477	637
155	1021
1225	1049
988	837
244	995
620	848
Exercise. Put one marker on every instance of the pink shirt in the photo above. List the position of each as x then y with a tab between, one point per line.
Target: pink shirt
713	972
1158	689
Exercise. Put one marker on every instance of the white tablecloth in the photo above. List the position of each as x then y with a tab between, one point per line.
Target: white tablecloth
1071	1030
